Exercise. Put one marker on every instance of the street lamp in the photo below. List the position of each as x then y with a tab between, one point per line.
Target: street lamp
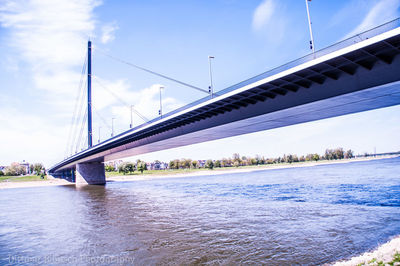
160	111
309	26
112	127
99	133
210	88
131	125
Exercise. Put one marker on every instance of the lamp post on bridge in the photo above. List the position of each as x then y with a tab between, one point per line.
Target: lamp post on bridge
309	26
112	127
160	111
131	125
210	88
99	133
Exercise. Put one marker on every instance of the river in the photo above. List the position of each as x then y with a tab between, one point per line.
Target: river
308	215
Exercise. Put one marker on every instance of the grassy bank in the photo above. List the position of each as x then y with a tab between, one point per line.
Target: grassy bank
243	168
161	172
21	178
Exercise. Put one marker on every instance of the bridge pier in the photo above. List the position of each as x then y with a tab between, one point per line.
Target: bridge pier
92	173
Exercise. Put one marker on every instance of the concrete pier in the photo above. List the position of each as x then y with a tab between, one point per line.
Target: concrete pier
90	174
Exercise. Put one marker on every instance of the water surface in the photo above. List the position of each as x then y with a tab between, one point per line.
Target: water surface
310	215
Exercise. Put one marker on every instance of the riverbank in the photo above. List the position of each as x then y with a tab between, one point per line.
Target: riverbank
386	254
181	173
49	181
227	170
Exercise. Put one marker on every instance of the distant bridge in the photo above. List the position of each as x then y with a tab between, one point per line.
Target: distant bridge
358	74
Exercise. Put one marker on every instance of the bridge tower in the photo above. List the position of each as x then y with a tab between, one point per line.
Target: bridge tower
89	88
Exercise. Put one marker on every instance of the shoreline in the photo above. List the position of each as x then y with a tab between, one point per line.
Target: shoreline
217	171
245	169
384	254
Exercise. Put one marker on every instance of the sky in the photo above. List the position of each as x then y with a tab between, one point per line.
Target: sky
43	45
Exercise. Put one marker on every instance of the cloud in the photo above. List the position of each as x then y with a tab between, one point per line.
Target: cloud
51	38
146	101
263	14
29	137
269	21
108	32
47	38
383	11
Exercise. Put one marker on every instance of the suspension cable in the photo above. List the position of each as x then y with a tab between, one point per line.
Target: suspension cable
151	72
96	79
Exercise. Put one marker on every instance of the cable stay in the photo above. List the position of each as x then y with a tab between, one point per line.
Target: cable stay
145	119
81	131
151	72
78	118
102	118
85	144
71	128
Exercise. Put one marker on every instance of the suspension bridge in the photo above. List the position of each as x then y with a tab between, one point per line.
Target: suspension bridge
357	74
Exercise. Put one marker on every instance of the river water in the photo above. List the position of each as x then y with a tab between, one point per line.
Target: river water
309	215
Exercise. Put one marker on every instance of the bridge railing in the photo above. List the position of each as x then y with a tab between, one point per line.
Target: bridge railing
332	48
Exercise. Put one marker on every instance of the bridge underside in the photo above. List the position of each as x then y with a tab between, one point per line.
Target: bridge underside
378	97
345	82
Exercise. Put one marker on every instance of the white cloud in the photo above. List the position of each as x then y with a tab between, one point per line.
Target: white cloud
108	32
263	14
24	136
383	11
49	38
269	21
145	101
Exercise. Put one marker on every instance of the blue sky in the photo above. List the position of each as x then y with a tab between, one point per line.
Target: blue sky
43	45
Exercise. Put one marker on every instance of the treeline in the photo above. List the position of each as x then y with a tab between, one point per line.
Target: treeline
16	169
237	160
127	167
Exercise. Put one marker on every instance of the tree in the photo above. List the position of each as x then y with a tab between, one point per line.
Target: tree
130	167
195	164
141	166
217	163
175	164
37	168
15	169
236	164
348	154
109	168
315	157
185	163
122	168
339	152
171	165
1	173
236	157
209	164
226	162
